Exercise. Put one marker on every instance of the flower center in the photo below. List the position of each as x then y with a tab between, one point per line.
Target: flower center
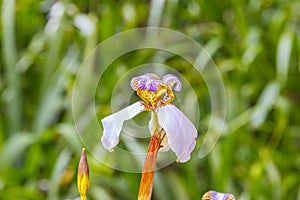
156	92
153	98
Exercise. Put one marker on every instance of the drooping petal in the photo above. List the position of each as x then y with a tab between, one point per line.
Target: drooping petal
112	124
181	132
171	80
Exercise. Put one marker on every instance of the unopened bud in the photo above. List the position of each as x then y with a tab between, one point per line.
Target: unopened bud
83	176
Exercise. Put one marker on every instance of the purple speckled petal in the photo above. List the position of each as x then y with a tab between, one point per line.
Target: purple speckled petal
151	76
154	84
112	124
215	195
171	80
134	83
181	133
146	82
143	83
228	196
139	82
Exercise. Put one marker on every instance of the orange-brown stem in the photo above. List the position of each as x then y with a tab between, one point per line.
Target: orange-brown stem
146	183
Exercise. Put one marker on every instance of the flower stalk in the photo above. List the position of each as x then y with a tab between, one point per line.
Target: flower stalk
147	179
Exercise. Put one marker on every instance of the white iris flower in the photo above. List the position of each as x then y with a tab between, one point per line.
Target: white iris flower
175	130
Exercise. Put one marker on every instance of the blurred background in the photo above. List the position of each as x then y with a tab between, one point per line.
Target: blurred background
255	44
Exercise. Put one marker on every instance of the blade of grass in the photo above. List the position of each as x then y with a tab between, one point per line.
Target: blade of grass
60	165
160	187
156	11
240	18
283	54
68	132
265	102
13	94
272	173
298	39
51	82
98	191
177	188
210	48
14	148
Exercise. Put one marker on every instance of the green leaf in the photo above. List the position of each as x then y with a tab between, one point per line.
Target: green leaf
70	135
14	148
60	165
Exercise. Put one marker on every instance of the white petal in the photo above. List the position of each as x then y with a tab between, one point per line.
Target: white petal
180	131
112	124
150	126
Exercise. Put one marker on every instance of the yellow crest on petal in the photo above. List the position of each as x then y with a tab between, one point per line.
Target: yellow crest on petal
150	97
153	91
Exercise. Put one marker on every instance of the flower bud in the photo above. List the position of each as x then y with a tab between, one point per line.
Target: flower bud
83	176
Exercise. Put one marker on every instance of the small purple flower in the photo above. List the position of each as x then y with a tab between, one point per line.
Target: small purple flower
166	119
213	195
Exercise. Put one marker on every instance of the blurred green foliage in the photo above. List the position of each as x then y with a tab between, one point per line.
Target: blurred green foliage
255	44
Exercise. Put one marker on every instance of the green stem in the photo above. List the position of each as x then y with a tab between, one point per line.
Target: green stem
154	119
